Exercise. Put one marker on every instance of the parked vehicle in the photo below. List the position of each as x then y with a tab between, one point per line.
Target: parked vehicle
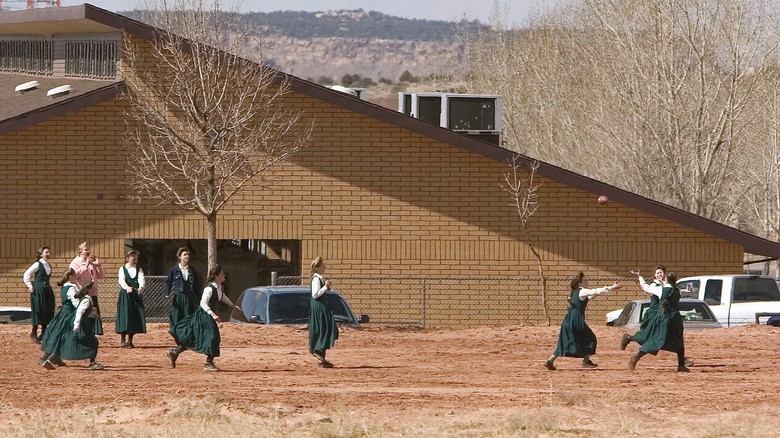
14	314
696	315
735	299
288	305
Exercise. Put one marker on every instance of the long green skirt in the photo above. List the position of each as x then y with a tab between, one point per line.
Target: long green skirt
60	326
323	330
198	332
575	339
82	344
130	313
655	307
181	308
42	304
665	332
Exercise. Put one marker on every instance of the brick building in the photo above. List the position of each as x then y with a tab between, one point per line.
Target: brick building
410	217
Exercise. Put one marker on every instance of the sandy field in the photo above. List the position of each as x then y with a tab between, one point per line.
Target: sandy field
394	381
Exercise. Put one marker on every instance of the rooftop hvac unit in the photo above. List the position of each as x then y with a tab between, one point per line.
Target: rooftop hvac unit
471	114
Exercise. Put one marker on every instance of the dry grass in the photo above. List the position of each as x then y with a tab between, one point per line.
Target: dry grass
576	415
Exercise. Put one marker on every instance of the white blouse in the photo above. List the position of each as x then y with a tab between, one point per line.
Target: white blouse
318	289
130	270
204	299
654	288
586	294
29	274
185	271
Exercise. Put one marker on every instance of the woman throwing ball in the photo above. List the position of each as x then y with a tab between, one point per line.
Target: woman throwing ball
576	339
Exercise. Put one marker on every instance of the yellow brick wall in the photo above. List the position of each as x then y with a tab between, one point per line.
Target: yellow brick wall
370	198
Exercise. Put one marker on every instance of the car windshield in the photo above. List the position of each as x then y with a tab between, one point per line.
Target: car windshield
625	315
294	308
748	289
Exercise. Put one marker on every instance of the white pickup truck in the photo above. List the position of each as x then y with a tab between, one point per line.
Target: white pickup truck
736	299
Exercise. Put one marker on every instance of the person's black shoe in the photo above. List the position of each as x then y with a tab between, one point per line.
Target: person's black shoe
319	355
48	365
172	356
587	363
210	367
325	364
57	361
35	338
624	341
683	370
549	365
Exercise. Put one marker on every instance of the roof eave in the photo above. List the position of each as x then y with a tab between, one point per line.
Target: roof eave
62	108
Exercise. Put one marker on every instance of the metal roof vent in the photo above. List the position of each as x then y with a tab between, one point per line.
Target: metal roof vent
59	91
27	86
344	90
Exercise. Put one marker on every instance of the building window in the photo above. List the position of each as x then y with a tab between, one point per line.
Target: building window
26	56
93	59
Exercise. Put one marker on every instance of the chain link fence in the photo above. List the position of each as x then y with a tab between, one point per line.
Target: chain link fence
422	301
428	301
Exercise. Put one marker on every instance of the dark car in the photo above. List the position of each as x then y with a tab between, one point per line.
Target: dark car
15	314
288	305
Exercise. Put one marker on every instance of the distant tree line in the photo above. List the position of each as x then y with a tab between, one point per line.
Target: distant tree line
355	80
359	24
353	24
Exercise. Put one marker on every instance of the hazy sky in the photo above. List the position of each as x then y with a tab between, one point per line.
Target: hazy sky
428	9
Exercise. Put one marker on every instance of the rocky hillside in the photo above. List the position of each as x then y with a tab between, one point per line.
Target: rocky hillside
377	59
332	44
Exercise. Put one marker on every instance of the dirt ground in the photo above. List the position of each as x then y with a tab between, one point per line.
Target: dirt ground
393	373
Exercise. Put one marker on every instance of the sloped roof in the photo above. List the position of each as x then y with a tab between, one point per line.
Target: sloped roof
87	18
20	110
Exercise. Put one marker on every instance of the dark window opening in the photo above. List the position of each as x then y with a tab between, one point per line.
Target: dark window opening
247	262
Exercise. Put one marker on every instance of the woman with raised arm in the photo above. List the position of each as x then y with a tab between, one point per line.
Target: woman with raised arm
36	278
576	339
88	269
655	288
664	330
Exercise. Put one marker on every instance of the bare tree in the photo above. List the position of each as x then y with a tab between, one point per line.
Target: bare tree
524	189
759	206
651	95
204	122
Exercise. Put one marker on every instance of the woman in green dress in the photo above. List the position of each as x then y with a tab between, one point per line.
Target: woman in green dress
654	289
199	332
576	339
323	330
130	313
665	329
42	304
75	337
62	323
184	285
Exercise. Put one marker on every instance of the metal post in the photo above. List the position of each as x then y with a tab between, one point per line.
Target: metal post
423	303
274	276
